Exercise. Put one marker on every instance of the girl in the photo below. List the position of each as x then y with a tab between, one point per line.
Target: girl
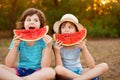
67	59
34	56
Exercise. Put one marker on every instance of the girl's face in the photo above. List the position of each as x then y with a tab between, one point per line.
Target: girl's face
32	22
67	28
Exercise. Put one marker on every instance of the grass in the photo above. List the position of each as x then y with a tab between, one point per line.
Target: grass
107	50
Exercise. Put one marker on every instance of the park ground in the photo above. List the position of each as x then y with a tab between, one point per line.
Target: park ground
103	50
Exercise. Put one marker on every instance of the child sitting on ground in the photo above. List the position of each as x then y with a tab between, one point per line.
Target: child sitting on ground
67	58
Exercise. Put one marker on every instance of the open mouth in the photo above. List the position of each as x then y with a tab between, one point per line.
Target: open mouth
31	27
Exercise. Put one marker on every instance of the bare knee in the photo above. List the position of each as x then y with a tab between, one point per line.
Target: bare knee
2	66
51	72
59	69
104	67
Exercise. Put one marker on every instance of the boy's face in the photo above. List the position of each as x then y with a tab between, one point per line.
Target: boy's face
68	28
32	22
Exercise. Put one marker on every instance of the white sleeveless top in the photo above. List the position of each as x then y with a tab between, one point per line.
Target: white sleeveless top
71	58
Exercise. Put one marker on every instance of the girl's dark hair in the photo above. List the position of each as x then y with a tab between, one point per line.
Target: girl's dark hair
30	12
65	23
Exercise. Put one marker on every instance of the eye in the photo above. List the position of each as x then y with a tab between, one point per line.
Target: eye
36	20
62	27
28	19
71	27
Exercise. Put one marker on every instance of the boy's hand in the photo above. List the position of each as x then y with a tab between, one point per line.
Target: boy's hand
16	40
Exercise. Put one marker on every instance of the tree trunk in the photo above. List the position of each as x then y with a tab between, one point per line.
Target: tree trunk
12	14
56	3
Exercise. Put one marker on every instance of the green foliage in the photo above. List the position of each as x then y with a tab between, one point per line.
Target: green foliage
101	27
105	24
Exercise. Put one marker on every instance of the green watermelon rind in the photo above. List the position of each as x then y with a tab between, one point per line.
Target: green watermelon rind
47	28
75	42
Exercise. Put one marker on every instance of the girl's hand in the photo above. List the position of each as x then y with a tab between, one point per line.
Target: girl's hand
16	40
57	45
81	44
48	40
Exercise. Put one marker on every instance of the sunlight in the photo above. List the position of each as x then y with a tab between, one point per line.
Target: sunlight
116	1
88	8
103	2
95	6
59	0
34	1
107	1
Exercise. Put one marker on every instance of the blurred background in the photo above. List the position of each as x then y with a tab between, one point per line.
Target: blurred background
100	17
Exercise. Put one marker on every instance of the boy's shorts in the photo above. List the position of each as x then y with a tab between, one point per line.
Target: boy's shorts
24	71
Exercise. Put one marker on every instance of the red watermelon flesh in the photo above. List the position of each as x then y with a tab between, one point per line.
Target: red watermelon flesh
31	34
69	39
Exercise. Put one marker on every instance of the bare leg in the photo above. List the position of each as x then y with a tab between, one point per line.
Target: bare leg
94	72
7	73
65	73
43	74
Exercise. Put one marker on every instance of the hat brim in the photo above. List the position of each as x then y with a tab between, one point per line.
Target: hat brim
58	23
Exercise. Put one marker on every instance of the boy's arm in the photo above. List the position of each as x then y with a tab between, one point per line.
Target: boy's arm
11	57
13	53
47	52
46	57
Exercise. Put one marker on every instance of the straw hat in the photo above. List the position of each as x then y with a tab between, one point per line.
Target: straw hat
67	17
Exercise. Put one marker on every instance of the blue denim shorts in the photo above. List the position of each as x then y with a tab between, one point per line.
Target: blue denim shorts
76	70
24	71
79	71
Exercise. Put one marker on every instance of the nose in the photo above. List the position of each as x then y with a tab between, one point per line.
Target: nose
31	22
66	30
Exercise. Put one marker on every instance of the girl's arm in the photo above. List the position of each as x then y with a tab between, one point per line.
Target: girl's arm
47	52
57	46
86	55
13	53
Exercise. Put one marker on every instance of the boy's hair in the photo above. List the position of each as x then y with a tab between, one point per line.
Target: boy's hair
30	12
70	23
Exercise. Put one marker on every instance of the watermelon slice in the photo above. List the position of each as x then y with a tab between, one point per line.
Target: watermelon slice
69	39
31	34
